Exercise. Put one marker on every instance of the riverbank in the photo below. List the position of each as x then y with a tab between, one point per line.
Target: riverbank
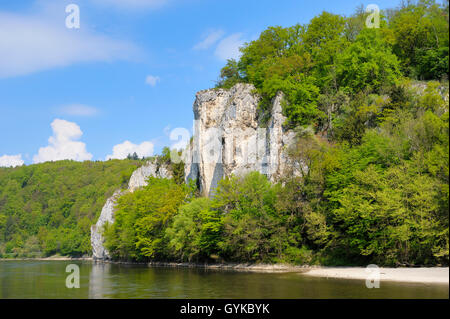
432	275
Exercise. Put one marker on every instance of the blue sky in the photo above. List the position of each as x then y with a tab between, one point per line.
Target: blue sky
129	73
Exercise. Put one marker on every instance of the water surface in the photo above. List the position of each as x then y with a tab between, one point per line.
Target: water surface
47	279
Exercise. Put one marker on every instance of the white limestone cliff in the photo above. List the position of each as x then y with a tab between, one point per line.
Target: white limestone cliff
228	139
106	216
139	177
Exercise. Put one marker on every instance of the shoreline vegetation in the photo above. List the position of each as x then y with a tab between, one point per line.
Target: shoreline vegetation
422	275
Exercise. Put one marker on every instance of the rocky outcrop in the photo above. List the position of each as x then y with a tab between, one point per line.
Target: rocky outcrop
106	216
279	140
138	179
229	140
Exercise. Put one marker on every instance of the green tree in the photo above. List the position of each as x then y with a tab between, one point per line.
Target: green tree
141	219
195	231
368	64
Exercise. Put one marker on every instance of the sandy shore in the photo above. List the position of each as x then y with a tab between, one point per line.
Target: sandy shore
433	275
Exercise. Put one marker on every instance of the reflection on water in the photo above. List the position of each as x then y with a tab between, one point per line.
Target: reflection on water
99	280
46	279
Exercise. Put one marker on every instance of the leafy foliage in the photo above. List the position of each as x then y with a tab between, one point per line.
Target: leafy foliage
195	232
141	218
333	54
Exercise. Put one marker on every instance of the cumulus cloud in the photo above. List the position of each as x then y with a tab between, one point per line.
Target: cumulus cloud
133	4
63	144
228	48
152	80
121	151
32	43
78	110
209	40
11	160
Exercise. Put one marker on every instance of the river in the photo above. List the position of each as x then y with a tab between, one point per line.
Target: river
47	279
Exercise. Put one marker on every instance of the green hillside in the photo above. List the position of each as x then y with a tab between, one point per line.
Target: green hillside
48	208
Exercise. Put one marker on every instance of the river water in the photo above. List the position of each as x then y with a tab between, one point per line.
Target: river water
47	279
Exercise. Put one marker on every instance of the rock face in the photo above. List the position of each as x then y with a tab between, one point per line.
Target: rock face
228	139
106	216
138	179
278	142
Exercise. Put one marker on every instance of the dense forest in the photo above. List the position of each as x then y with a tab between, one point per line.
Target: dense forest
48	209
370	109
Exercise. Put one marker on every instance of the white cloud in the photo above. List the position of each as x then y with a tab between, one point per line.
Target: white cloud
78	110
121	151
228	48
209	40
133	4
11	160
34	43
152	80
63	144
